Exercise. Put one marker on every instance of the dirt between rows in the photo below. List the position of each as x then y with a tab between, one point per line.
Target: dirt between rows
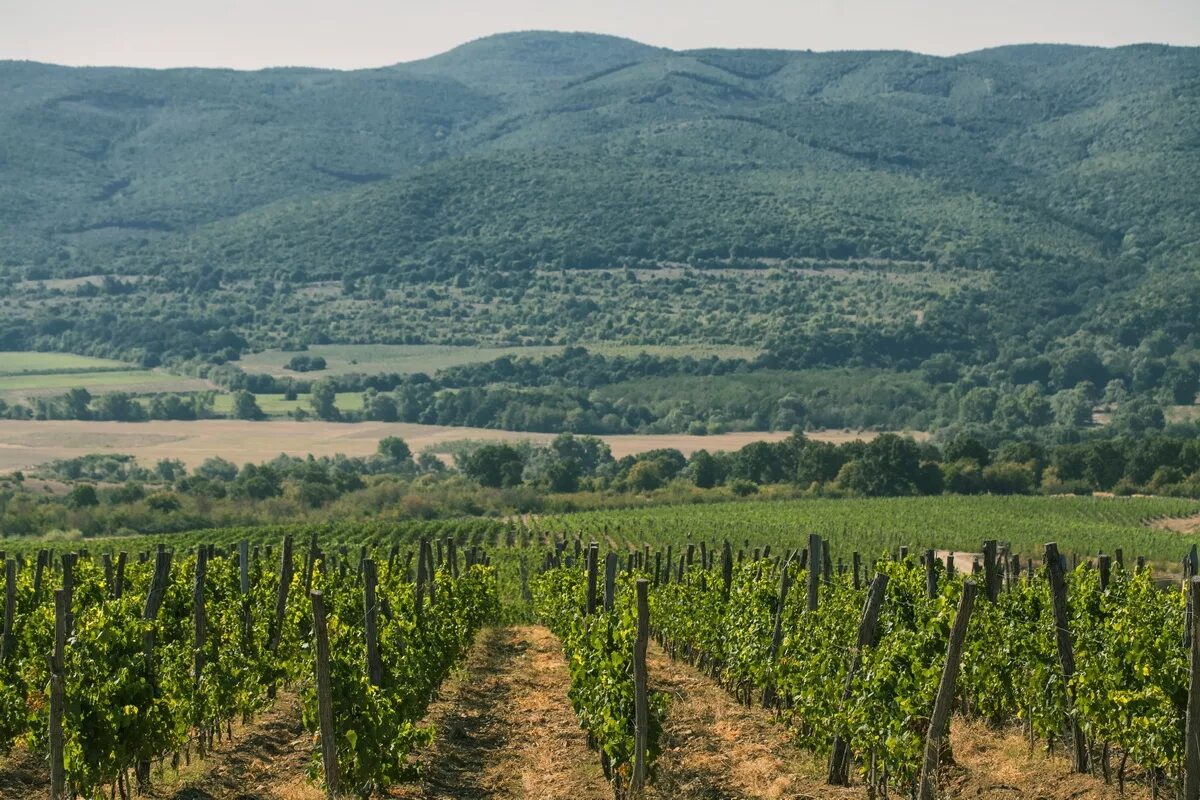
505	730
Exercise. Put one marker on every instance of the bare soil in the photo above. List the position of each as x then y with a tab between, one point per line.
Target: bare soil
1178	524
28	443
716	749
505	728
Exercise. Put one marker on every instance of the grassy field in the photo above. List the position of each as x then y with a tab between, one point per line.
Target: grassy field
343	359
26	374
1081	525
276	405
22	363
27	443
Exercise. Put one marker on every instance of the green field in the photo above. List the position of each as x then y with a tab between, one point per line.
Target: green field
1081	525
274	405
23	363
131	380
343	359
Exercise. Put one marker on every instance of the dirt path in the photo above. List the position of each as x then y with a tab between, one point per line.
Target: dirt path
505	729
998	765
715	749
1178	524
265	761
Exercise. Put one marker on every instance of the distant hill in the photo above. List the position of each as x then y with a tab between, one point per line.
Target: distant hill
1067	177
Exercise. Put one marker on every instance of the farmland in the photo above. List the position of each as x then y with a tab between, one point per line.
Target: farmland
713	671
26	374
343	359
25	443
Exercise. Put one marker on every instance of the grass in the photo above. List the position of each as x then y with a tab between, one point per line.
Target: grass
1081	525
106	380
371	359
275	405
22	363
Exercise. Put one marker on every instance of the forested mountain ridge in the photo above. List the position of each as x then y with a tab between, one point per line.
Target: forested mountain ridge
1084	150
1010	217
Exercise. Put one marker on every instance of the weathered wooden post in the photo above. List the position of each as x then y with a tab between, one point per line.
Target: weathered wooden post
944	701
593	553
371	622
325	698
726	568
839	758
7	640
814	569
1105	564
610	580
990	577
58	775
931	577
1066	653
641	709
286	568
1191	770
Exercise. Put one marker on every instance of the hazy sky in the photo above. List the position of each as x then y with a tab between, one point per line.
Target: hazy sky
364	33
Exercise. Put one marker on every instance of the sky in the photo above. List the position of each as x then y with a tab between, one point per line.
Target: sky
349	34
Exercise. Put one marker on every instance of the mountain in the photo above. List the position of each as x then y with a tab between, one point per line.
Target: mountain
1064	179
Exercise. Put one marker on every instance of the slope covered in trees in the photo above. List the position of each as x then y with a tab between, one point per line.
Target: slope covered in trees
1006	208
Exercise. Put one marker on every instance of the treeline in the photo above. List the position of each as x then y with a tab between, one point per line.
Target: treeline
79	403
113	494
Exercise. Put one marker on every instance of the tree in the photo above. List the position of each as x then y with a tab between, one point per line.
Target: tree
1071	408
83	495
704	470
323	399
119	406
964	446
245	406
258	482
495	465
217	469
890	465
395	451
645	476
76	404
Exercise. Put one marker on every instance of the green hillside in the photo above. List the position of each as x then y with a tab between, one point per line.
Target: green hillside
885	208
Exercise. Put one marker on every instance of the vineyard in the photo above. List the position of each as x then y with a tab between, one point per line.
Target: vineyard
848	625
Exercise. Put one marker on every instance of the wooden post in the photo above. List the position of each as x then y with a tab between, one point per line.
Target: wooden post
1066	653
1105	562
43	558
7	640
68	585
592	553
610	580
431	573
726	568
641	708
857	559
325	697
839	758
244	575
814	569
1191	771
119	577
419	595
990	577
785	583
371	622
58	777
199	617
286	568
944	701
931	577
